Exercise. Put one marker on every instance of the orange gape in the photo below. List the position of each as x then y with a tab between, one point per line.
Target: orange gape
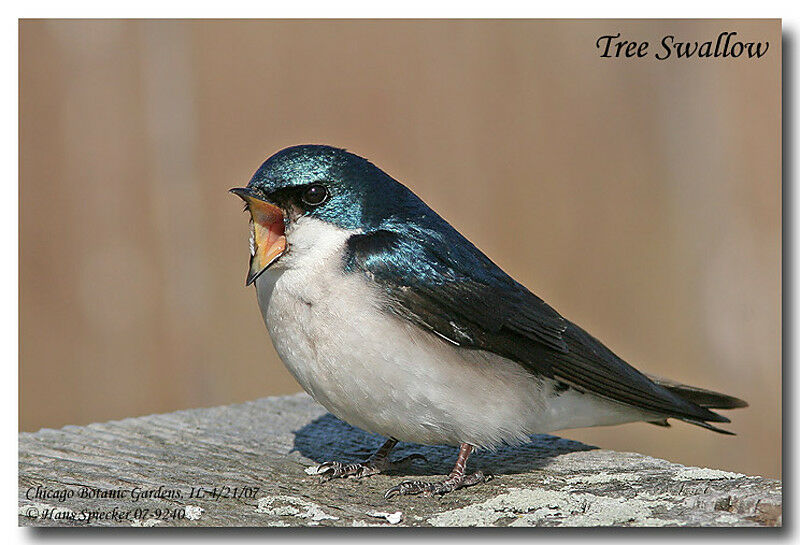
267	238
266	231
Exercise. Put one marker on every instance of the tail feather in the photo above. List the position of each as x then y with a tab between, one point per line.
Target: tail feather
704	398
708	426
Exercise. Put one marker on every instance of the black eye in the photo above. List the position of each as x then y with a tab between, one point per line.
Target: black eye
315	195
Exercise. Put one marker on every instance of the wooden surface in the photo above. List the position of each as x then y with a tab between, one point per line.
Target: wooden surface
248	465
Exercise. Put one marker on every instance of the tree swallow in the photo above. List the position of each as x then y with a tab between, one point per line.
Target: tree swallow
397	324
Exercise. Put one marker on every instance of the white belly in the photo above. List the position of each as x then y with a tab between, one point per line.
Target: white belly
385	375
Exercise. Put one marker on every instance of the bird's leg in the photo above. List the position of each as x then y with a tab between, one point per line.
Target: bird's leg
377	463
454	481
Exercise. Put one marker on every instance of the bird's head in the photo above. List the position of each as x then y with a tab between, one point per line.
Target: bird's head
326	183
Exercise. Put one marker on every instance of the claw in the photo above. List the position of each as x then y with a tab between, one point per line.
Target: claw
327	466
329	470
413	488
334	470
403	488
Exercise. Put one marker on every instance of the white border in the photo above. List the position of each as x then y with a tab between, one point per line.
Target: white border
788	11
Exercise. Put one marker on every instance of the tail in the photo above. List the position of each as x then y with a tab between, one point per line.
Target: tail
705	398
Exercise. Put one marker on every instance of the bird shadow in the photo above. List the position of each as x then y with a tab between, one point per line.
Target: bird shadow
327	439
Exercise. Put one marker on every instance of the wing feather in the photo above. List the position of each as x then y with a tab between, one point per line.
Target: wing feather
458	293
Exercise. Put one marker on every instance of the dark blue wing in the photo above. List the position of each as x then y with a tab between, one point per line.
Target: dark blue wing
453	290
440	281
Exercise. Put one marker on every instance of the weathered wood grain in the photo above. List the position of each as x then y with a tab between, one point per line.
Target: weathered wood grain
249	460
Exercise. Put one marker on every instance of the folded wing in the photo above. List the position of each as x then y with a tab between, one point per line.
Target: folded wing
440	281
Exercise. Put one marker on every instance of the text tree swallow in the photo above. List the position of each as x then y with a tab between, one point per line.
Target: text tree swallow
397	324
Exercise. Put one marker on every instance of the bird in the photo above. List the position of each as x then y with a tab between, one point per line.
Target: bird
397	324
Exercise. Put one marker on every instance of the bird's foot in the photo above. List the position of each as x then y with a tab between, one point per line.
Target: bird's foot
451	483
373	466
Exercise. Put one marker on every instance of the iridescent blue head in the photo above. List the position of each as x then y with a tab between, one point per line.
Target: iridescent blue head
333	185
325	183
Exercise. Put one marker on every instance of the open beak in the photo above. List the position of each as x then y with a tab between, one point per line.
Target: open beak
267	238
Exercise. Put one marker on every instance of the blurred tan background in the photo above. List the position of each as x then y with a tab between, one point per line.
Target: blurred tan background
640	198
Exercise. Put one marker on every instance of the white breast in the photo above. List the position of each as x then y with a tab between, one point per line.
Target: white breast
387	376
